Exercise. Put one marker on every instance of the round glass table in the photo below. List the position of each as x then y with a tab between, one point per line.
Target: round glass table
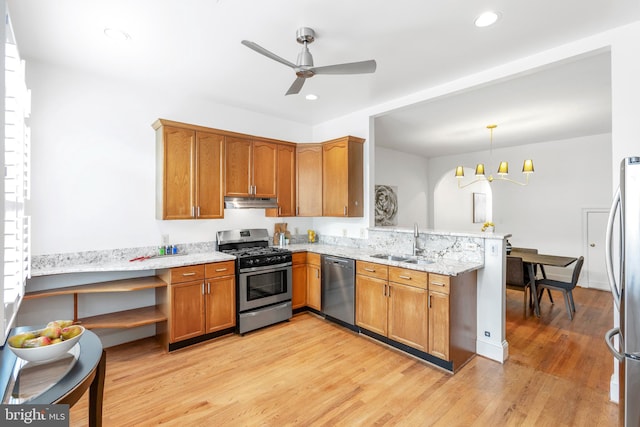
84	369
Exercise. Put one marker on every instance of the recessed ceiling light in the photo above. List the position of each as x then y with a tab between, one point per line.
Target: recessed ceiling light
311	97
486	19
115	34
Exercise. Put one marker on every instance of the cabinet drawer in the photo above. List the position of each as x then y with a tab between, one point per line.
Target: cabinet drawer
313	258
190	272
406	276
372	269
299	258
439	283
219	269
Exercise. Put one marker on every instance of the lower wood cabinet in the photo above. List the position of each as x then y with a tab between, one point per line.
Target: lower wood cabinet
314	281
392	302
200	300
299	280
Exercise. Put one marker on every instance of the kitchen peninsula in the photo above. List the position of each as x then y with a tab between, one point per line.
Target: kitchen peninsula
452	254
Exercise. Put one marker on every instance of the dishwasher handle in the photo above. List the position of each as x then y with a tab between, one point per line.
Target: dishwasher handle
339	262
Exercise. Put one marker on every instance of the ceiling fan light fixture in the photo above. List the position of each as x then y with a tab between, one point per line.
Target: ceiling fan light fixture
116	34
486	19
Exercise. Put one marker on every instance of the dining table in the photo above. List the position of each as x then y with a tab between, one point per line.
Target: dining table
531	259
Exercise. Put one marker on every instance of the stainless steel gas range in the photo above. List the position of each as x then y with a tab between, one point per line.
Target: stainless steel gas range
263	278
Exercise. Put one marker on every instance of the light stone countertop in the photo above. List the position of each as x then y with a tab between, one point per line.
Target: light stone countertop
108	261
443	266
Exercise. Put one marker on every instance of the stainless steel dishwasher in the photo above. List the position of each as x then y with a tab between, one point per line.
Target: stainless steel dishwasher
338	288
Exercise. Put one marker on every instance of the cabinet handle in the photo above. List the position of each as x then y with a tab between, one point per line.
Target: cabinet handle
437	283
189	274
429	303
405	277
370	270
198	211
297	210
384	291
389	291
317	274
209	288
279	210
193	211
345	211
220	269
202	288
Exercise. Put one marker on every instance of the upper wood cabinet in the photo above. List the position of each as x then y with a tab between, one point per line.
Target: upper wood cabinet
285	182
309	179
189	172
342	177
250	167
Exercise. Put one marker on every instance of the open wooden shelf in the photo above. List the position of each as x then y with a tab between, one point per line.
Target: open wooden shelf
125	319
123	285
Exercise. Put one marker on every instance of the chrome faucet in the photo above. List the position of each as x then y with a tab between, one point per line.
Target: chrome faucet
416	234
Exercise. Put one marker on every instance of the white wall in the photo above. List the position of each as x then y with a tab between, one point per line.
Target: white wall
93	161
408	173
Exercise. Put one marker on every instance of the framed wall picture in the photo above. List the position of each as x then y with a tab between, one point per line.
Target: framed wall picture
479	207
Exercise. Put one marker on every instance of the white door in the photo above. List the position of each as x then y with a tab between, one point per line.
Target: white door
594	265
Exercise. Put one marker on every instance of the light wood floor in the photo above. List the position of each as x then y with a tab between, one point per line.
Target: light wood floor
312	372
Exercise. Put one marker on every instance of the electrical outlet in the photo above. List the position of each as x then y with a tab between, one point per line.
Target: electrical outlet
295	231
165	239
344	232
487	334
362	233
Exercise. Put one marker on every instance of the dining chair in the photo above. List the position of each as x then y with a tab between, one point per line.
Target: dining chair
515	279
535	269
565	287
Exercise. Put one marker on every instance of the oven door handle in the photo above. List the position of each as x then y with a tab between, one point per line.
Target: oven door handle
265	268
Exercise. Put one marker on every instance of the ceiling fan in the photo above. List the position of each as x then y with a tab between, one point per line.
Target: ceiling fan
304	67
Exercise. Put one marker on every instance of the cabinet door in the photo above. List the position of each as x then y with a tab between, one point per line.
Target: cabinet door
439	325
237	167
221	303
299	279
309	179
285	182
371	304
187	310
209	171
177	166
265	161
408	315
335	175
314	287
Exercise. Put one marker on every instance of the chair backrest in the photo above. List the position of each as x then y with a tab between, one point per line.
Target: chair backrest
515	271
576	272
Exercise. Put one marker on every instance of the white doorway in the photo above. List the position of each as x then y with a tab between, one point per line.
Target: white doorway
594	273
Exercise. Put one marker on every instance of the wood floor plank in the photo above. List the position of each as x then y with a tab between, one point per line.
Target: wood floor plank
310	372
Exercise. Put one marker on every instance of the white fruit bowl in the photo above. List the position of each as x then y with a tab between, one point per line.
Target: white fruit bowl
47	352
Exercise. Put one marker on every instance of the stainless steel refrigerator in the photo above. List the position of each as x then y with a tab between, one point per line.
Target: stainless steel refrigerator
623	268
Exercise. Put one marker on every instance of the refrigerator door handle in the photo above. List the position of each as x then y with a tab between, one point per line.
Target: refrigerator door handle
615	289
608	337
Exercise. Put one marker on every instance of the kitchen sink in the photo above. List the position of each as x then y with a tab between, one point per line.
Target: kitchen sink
409	259
388	257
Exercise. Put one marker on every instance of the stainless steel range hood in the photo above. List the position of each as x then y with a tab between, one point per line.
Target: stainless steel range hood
250	203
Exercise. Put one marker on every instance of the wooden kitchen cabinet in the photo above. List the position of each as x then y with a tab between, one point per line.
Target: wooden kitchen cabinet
392	302
250	167
299	280
314	281
285	182
342	177
189	169
200	300
452	317
309	179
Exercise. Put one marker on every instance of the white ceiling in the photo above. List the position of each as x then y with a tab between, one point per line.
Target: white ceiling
193	46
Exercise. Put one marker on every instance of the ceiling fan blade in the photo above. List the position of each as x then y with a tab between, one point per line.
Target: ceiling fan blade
349	68
296	86
265	52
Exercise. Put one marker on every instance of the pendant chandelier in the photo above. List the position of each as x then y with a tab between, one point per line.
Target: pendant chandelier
503	169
